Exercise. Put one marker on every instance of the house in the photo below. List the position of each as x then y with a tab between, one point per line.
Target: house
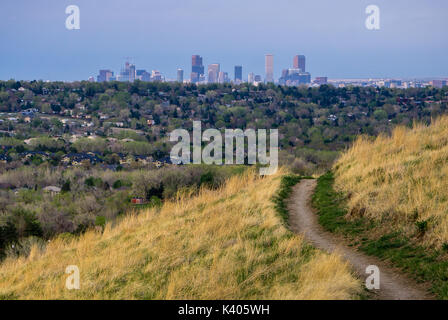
76	159
27	155
158	164
124	159
143	159
52	190
137	200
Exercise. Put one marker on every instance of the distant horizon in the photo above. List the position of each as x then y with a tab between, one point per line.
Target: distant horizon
162	35
422	78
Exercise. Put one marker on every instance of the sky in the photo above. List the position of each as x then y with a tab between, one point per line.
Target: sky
163	34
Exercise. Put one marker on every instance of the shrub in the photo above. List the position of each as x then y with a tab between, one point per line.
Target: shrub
422	226
23	247
66	186
93	182
155	201
100	221
207	179
117	184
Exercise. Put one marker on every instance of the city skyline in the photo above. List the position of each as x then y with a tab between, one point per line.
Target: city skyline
294	76
214	74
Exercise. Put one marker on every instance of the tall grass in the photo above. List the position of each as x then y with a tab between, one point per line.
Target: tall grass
400	181
228	243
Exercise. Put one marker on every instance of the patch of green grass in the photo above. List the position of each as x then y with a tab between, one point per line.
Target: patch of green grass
280	199
423	264
281	205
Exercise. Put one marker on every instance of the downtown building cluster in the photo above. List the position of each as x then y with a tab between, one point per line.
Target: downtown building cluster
129	74
296	75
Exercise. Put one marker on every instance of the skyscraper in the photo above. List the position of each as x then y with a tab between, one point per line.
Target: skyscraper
223	77
197	69
180	75
251	77
269	67
238	73
294	77
156	76
105	75
438	83
132	72
213	72
143	75
128	74
299	62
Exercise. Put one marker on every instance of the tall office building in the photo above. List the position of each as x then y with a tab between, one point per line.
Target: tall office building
132	72
223	77
143	75
180	75
294	77
269	67
197	68
251	77
105	75
299	62
128	73
213	72
156	76
439	83
238	74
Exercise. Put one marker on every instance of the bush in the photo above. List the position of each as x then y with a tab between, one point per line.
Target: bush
155	201
117	184
25	223
66	186
23	247
8	234
207	179
100	221
422	226
93	182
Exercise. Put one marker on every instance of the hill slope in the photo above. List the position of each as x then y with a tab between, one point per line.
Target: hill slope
400	181
226	243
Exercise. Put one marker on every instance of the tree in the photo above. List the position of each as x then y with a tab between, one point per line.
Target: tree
66	186
380	114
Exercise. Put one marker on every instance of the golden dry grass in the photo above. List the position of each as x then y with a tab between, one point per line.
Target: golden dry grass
401	180
222	244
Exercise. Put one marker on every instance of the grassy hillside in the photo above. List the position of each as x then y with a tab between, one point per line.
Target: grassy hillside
400	181
226	243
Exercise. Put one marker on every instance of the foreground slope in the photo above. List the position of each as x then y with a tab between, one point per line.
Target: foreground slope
401	182
226	243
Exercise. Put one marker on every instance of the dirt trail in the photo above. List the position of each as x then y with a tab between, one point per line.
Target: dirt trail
393	285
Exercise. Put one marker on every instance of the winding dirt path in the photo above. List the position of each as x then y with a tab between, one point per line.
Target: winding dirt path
302	219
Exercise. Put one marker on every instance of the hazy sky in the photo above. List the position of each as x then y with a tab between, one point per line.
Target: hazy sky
163	34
